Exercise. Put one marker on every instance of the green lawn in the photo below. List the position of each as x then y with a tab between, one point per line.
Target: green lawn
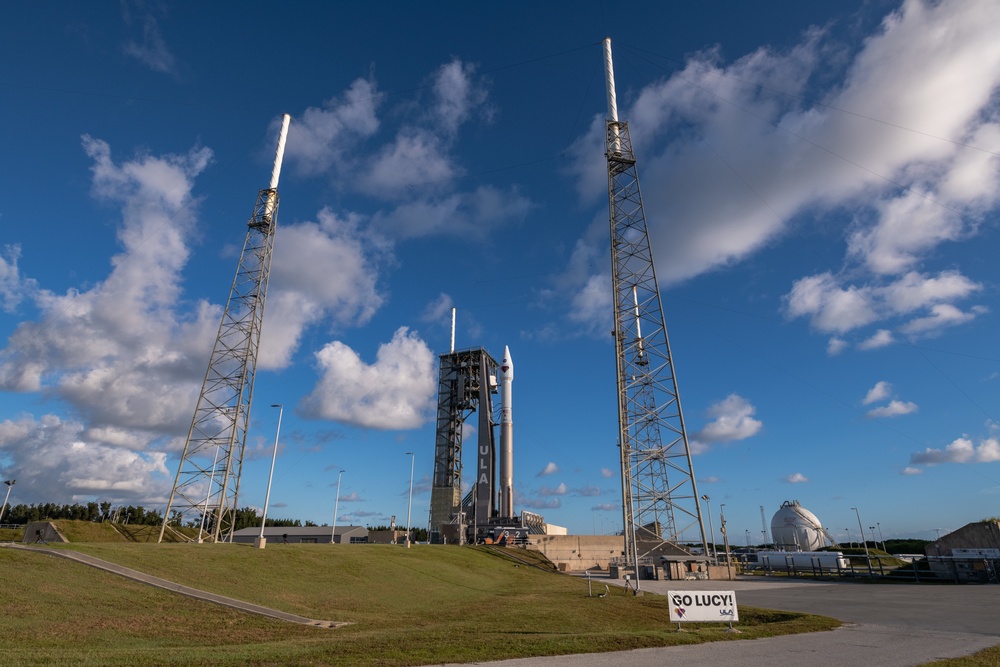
428	604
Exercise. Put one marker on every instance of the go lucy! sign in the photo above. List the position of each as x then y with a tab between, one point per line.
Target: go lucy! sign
717	606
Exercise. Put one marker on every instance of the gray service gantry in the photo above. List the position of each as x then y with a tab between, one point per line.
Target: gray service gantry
466	384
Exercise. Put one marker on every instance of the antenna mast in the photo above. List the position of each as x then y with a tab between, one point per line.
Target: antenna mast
208	477
659	494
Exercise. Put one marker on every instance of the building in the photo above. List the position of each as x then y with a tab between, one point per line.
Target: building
969	554
303	535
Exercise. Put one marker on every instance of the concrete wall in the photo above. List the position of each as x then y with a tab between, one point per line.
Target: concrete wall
981	535
578	552
43	530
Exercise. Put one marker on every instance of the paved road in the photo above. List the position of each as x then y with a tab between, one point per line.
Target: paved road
885	625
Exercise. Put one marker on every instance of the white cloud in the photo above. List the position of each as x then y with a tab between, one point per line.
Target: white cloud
911	470
835	346
321	138
941	315
151	49
881	391
459	92
608	473
120	353
56	460
893	409
304	290
918	89
732	420
879	339
550	469
796	478
837	309
13	288
396	392
961	450
438	310
557	491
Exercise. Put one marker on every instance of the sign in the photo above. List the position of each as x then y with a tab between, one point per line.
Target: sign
703	606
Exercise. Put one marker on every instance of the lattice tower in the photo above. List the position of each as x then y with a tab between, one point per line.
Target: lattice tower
208	478
659	492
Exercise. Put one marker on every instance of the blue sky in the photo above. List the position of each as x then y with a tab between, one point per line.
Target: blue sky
821	187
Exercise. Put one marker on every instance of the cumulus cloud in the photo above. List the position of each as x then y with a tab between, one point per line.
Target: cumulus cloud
881	391
880	338
911	470
893	409
304	290
732	419
396	392
905	142
549	469
52	452
323	138
549	503
608	473
961	450
796	478
560	490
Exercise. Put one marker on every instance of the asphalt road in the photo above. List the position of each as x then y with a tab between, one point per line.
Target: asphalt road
886	625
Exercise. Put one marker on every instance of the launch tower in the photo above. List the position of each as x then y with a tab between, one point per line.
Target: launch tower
659	494
465	385
208	477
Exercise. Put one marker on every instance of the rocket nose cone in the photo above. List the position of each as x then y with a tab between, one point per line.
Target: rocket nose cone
506	365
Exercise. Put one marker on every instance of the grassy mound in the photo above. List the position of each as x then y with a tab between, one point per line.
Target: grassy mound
428	604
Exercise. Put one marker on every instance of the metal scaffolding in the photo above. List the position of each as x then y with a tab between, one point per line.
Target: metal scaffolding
659	493
208	478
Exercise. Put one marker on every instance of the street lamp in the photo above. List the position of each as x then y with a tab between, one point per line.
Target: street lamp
409	503
868	558
725	539
710	524
336	504
261	540
849	543
880	536
10	483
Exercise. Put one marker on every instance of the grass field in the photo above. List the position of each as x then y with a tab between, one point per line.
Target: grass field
428	604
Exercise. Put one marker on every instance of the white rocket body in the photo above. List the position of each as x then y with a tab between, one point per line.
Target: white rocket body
506	378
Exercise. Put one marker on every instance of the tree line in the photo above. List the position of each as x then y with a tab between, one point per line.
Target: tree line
128	514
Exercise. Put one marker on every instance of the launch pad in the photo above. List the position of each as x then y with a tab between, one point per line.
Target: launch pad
467	382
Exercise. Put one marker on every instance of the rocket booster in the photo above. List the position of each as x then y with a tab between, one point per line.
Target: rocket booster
506	379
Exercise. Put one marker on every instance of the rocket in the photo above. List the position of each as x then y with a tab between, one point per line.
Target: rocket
506	379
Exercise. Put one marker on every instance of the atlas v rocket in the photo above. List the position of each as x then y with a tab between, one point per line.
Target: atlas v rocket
505	379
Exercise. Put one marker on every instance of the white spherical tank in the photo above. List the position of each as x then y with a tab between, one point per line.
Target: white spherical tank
794	528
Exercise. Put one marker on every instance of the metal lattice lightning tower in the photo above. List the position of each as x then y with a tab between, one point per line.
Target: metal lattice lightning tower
208	477
659	494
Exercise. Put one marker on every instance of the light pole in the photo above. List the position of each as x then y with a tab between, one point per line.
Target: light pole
868	558
261	540
849	543
725	539
336	504
711	526
409	503
880	536
10	483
